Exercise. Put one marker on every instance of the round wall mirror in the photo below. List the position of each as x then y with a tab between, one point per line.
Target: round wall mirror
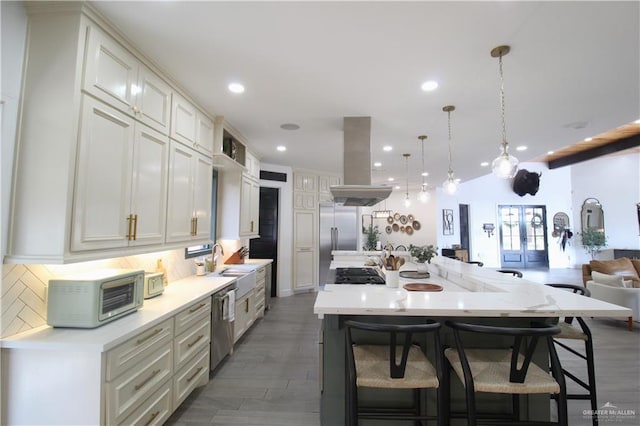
592	215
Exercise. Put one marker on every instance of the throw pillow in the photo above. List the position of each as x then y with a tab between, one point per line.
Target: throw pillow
612	280
622	266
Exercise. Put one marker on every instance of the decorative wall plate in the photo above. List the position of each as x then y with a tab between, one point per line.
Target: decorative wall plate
396	216
403	219
388	229
416	225
408	229
396	227
390	219
410	217
402	229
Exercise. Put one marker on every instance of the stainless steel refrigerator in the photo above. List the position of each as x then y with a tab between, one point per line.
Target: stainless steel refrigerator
339	230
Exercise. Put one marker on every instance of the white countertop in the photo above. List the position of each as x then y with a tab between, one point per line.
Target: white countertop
177	295
468	291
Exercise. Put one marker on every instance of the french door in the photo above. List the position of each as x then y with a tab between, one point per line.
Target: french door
523	237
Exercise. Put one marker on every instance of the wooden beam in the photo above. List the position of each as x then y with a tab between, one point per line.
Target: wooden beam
589	154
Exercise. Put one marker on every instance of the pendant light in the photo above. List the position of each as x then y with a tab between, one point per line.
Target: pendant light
407	200
450	185
506	165
423	195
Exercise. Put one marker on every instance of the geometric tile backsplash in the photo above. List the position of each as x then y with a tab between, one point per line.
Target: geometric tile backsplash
23	289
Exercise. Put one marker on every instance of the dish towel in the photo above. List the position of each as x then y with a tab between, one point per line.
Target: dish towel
229	306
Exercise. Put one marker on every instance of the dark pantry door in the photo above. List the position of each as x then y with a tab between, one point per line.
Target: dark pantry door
266	247
523	237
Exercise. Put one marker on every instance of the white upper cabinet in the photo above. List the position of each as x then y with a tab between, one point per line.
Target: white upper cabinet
121	180
189	205
190	126
115	76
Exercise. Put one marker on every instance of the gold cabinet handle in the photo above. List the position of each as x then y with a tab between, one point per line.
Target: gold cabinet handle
246	308
251	226
192	310
129	232
190	345
194	374
195	231
144	339
135	226
152	418
145	381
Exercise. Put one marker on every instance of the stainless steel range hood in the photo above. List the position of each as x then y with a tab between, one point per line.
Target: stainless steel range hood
357	189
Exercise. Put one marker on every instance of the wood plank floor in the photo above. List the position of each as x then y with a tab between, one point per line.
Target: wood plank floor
272	377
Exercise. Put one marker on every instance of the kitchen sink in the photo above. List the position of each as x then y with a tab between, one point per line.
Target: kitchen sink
245	279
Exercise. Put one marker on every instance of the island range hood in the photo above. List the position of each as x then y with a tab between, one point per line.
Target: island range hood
357	189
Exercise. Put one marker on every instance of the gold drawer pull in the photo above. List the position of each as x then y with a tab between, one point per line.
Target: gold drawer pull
195	341
145	381
144	339
194	374
153	416
192	310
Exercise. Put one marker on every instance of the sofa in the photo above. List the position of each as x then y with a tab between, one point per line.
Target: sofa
615	281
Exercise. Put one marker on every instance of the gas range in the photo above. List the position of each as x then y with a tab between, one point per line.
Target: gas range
356	276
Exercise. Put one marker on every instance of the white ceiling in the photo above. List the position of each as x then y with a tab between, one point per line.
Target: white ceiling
573	72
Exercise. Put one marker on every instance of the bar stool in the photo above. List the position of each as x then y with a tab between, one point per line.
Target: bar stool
476	262
513	272
376	366
569	331
504	371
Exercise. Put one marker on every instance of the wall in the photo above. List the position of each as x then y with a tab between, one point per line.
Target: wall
23	288
423	213
615	182
13	39
484	194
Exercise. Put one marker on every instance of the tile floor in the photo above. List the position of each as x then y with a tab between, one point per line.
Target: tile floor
271	379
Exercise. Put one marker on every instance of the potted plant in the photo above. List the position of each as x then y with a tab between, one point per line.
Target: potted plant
372	237
423	255
593	241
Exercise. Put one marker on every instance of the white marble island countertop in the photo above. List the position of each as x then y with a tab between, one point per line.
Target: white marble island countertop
468	291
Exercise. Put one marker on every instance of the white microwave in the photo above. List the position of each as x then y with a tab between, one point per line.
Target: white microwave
95	298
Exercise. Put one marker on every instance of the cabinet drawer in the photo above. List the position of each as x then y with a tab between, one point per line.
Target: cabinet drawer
126	392
260	274
194	313
155	410
138	348
192	375
260	284
191	342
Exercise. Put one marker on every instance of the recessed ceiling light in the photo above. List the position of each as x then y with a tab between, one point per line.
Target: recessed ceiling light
289	126
281	148
391	179
236	88
550	152
387	148
424	174
430	85
588	139
521	148
377	164
484	164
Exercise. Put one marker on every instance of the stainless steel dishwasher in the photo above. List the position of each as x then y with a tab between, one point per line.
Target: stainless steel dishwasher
222	316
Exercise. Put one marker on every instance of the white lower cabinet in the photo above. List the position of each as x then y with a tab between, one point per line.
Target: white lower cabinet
259	299
244	314
149	376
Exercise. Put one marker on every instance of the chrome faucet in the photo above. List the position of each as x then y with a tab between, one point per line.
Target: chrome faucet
214	257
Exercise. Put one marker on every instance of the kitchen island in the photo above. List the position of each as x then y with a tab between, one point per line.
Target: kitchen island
469	293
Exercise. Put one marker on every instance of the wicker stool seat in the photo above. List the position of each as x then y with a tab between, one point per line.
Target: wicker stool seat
398	364
504	371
